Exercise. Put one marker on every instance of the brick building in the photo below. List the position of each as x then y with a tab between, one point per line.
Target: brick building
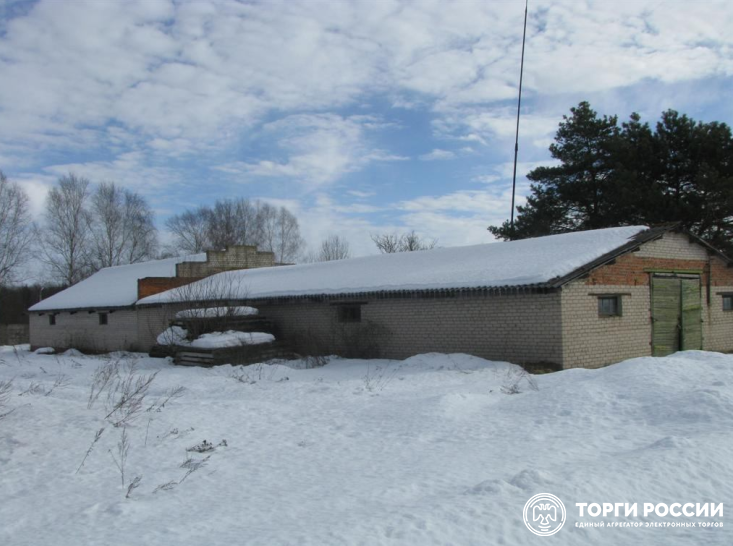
98	314
584	299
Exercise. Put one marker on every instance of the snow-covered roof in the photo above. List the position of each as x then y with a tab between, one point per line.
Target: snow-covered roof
517	263
112	286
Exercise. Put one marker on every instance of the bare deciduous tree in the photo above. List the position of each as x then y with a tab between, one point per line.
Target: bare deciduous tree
190	230
412	241
389	243
334	248
280	232
67	231
16	229
237	222
142	238
123	227
233	222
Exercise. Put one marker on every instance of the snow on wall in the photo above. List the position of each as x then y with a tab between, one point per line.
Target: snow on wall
112	286
516	263
217	312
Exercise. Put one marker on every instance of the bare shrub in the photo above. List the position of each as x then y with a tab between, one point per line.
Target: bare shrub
61	381
6	390
242	376
126	395
312	346
378	376
217	294
18	356
101	379
158	405
171	394
134	484
252	373
349	340
33	388
175	433
166	486
360	340
515	378
315	361
97	436
206	446
123	448
191	465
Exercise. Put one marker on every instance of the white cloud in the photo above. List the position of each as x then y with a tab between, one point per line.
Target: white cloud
205	71
37	188
450	230
140	82
486	178
360	194
159	184
487	202
437	154
320	148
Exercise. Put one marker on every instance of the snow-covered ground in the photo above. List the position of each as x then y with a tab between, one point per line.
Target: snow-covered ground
431	450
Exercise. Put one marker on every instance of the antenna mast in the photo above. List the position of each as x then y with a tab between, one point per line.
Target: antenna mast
519	104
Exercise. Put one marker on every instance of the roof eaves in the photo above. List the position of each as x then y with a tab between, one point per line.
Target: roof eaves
80	309
635	242
710	248
392	294
638	240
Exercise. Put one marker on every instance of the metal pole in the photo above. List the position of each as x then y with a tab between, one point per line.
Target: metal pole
519	104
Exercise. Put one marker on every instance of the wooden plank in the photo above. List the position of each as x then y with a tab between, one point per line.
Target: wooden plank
691	313
665	315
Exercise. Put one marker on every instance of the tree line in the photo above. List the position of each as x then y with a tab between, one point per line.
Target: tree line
680	171
238	222
85	230
87	227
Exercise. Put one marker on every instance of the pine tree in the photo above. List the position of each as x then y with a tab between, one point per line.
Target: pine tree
610	176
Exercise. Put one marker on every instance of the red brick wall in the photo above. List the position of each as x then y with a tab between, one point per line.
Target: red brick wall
630	270
155	285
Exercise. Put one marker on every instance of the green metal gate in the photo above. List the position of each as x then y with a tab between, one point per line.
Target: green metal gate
676	314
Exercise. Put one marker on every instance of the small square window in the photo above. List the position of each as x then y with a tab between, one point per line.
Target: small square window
609	306
349	313
52	320
103	319
728	302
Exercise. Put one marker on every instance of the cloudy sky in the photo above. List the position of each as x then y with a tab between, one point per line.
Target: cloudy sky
359	116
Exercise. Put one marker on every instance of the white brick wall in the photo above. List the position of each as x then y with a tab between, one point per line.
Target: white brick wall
674	246
718	324
561	328
590	341
82	330
524	329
